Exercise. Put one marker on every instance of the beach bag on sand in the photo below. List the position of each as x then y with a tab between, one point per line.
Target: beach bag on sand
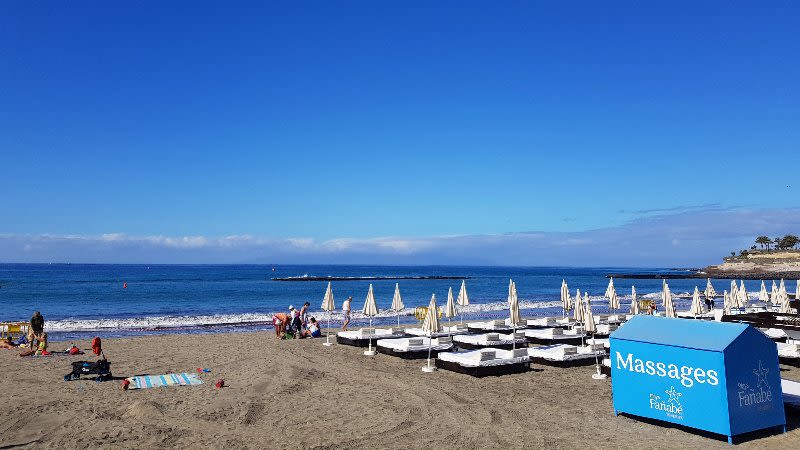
97	346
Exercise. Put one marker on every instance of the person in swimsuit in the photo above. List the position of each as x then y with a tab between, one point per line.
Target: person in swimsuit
280	320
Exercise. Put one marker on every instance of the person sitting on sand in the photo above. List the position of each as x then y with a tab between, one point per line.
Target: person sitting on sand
41	349
280	320
313	329
346	311
7	343
36	328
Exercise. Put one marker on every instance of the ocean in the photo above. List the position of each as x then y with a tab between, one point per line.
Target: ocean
80	300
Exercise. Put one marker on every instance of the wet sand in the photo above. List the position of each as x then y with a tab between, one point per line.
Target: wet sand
300	394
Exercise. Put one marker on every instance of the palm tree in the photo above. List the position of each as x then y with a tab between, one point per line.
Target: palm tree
764	241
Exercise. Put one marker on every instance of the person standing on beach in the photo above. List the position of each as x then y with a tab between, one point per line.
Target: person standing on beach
36	328
346	311
304	313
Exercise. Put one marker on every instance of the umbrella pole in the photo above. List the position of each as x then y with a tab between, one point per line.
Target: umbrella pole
370	352
513	337
599	375
428	367
328	331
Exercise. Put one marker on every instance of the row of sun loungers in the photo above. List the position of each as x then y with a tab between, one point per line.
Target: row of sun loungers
545	336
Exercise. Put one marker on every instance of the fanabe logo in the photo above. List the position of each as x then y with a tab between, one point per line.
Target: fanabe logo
761	394
671	405
688	376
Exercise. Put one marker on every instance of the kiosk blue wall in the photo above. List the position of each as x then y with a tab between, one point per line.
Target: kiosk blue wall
713	376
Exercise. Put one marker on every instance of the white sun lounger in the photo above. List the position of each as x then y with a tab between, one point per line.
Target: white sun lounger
789	354
494	340
561	355
446	331
550	336
605	341
361	337
485	361
791	393
491	325
776	334
415	347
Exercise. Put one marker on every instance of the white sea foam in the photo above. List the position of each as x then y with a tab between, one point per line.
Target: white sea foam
472	311
222	320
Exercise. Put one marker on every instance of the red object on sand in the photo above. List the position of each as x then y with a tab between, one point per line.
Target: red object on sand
220	383
125	384
97	346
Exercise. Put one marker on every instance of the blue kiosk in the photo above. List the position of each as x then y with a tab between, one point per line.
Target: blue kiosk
719	377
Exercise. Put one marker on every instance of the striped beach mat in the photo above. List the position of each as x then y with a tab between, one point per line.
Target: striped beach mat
171	379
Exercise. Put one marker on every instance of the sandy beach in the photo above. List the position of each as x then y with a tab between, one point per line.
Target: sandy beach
300	394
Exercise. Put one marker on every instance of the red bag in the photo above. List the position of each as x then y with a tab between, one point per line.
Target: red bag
96	346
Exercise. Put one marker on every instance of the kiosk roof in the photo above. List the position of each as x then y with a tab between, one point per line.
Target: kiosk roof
686	333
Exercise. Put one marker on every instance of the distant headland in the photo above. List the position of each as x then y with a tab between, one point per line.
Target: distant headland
769	258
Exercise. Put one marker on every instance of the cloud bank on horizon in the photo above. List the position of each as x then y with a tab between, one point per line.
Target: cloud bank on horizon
689	236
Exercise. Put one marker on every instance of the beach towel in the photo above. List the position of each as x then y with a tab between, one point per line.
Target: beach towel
171	379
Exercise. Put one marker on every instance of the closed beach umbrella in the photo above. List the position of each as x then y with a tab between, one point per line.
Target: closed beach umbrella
763	295
726	304
785	308
634	301
589	318
370	310
328	305
577	313
514	317
697	305
566	301
430	327
611	295
710	293
397	302
782	287
773	296
450	308
797	291
463	298
744	297
669	306
734	294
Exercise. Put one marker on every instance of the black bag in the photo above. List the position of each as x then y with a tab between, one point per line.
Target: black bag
101	368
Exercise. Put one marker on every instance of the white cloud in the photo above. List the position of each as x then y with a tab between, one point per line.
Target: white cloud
687	237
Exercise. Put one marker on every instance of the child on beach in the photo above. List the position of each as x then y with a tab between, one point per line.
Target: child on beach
346	310
313	329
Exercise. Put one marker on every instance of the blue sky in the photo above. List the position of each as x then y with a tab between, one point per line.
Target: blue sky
364	122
